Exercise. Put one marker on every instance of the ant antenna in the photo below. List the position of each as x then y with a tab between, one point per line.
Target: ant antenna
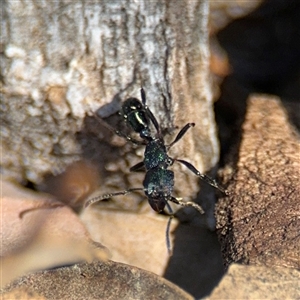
168	240
107	196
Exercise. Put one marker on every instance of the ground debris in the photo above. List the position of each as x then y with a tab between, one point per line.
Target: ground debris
259	222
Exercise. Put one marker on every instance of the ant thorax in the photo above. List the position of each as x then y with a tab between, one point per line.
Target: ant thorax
156	155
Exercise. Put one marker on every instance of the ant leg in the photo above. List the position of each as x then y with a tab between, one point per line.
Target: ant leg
107	196
129	138
153	120
188	203
149	112
204	177
143	95
119	133
137	167
181	133
168	240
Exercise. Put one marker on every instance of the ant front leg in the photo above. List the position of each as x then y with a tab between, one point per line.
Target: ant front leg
138	167
188	203
129	138
204	177
119	133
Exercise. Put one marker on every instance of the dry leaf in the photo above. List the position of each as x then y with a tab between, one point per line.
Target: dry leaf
41	238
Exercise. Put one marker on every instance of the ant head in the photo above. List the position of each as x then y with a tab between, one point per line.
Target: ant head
131	105
157	204
135	116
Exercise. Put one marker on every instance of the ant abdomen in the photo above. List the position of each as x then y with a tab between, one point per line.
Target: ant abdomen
158	185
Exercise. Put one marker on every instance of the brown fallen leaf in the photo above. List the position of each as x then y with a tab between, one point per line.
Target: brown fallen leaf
138	239
74	185
43	238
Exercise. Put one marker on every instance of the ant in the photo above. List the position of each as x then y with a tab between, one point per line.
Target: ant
159	180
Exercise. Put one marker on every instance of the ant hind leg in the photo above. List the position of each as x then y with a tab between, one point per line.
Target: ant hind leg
181	133
204	177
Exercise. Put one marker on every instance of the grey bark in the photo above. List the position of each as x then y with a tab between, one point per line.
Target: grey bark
63	60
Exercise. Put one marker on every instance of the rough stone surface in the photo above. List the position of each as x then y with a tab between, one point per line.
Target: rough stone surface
98	280
257	282
258	223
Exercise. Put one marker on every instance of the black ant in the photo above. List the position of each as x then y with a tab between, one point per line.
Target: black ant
159	180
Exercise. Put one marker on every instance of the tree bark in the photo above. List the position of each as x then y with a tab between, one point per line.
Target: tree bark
64	60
